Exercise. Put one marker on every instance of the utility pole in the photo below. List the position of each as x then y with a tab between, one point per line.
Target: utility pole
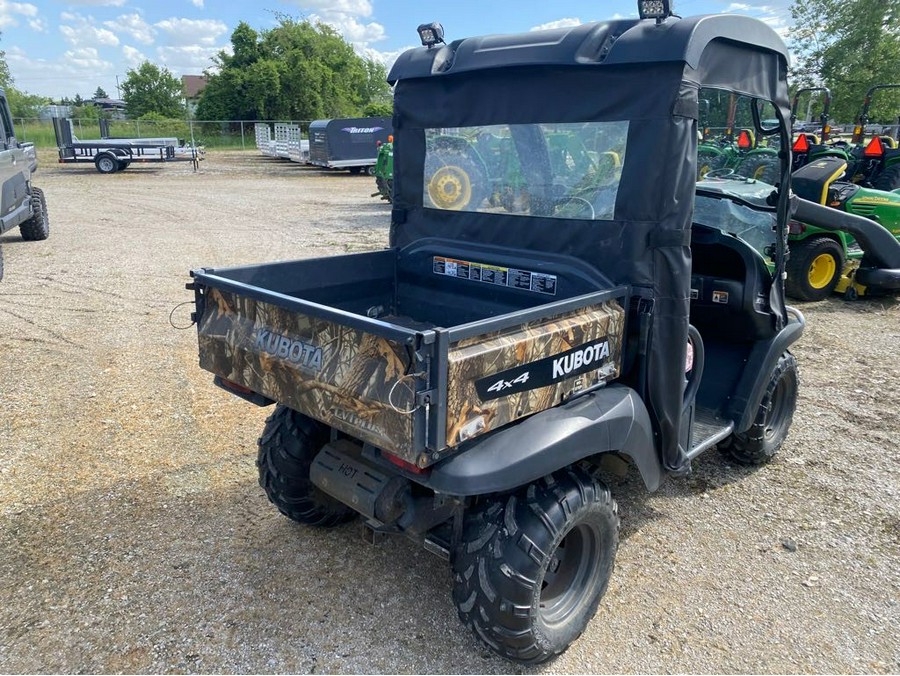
118	93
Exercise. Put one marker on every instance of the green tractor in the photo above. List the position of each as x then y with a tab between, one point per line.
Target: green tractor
825	261
877	162
745	154
384	170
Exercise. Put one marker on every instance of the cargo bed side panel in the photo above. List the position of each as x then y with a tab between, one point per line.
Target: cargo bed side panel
500	377
336	374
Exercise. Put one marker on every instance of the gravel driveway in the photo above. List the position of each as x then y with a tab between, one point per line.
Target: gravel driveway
134	538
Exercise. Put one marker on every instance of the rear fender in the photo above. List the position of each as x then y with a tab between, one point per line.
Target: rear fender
613	419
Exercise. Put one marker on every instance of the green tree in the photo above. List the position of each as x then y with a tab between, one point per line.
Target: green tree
151	89
297	70
848	47
100	93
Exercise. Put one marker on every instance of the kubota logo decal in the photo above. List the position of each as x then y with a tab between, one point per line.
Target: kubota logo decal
582	359
297	352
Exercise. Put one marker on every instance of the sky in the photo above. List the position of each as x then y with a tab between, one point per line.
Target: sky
61	48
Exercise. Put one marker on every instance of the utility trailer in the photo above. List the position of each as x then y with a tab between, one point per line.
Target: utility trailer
264	141
348	143
110	155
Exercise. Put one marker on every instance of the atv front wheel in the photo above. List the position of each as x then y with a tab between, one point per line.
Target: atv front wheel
773	419
38	226
530	570
814	268
287	447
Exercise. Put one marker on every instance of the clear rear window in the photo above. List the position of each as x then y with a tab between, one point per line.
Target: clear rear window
565	170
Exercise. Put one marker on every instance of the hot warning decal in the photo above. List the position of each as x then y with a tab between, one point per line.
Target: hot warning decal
537	282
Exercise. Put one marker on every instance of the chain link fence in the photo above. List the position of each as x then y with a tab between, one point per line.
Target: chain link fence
232	134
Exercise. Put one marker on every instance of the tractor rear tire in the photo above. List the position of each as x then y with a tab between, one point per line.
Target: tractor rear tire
287	447
454	180
761	442
37	227
708	161
532	567
763	168
814	268
889	179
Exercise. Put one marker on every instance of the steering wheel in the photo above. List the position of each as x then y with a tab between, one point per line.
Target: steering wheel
719	173
579	206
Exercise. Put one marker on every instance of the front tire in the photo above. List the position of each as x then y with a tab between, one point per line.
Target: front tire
37	227
761	442
287	447
814	268
531	568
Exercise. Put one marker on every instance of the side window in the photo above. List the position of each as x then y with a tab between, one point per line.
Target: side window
7	135
731	143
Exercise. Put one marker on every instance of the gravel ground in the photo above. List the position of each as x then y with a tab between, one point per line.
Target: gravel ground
134	538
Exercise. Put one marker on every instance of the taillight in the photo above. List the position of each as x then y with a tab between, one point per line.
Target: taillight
404	464
796	227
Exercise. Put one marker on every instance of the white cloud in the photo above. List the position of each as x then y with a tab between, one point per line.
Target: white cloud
82	31
133	56
192	32
134	26
387	58
568	22
78	70
343	7
11	12
39	24
197	3
187	59
96	3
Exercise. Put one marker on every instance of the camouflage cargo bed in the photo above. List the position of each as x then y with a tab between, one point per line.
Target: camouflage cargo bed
414	352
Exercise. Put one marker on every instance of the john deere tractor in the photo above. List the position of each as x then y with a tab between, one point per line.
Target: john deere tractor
843	260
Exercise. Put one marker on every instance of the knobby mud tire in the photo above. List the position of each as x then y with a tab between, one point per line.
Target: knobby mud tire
287	447
761	442
566	525
37	227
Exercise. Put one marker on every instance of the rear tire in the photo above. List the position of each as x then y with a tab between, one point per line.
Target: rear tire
37	227
763	168
889	179
814	268
531	568
287	447
454	180
707	161
761	442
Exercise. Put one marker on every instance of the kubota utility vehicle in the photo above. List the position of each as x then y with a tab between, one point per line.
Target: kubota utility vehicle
462	386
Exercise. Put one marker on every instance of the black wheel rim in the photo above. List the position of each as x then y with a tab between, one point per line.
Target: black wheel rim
778	409
572	575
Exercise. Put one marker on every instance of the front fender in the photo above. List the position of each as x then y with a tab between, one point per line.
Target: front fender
611	419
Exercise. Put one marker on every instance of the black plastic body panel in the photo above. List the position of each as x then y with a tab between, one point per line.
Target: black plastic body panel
611	419
760	363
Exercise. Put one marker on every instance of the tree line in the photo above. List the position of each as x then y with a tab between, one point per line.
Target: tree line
303	71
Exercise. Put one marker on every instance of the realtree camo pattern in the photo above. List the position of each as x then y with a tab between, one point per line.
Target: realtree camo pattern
348	383
350	389
475	358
